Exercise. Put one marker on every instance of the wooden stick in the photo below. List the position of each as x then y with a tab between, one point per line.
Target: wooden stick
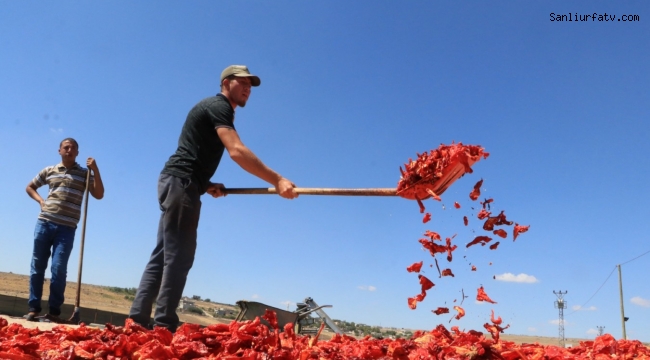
315	191
75	318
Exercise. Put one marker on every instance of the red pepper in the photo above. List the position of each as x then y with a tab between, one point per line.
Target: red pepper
415	267
427	218
477	190
425	282
440	310
518	230
482	296
479	240
461	312
447	272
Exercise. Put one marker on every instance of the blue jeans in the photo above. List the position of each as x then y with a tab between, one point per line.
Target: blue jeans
59	239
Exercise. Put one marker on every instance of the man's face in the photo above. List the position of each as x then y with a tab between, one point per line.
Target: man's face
239	90
68	150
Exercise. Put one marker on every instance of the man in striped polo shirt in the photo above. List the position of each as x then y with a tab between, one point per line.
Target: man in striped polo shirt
57	222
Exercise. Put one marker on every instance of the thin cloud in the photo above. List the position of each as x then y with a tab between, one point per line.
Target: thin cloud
557	322
56	131
532	329
637	300
521	278
255	296
592	332
367	288
580	308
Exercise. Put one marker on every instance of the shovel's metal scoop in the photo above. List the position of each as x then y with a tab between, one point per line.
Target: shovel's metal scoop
432	173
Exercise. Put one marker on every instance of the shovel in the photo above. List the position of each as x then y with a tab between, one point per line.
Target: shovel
76	316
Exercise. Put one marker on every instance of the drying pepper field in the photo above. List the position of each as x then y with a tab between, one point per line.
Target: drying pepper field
253	341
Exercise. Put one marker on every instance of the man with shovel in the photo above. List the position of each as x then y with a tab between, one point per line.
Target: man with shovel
208	130
56	224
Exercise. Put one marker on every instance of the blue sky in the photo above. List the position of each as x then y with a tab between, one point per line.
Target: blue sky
350	91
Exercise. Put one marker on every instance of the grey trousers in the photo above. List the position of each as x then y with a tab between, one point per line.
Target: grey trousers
165	275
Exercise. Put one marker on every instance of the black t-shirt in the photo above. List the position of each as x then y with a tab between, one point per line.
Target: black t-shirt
199	147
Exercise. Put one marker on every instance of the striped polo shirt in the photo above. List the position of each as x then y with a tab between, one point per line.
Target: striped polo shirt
67	186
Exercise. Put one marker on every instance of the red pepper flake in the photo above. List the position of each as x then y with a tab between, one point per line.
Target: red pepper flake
449	248
493	221
427	218
447	272
421	205
496	321
465	220
433	235
518	230
479	240
483	214
477	190
482	296
415	267
494	246
461	312
432	247
494	330
456	205
500	232
474	266
425	282
440	310
413	303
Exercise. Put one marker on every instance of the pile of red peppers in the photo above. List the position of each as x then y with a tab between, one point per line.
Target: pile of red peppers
251	340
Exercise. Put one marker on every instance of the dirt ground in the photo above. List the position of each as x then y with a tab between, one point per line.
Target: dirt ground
99	297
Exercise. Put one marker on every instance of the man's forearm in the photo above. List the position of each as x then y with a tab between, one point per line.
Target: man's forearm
248	161
97	186
34	194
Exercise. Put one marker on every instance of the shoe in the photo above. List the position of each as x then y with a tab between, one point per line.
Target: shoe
31	316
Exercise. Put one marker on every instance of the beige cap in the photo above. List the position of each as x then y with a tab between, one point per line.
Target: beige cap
240	71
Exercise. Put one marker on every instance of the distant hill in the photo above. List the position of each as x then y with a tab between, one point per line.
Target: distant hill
114	299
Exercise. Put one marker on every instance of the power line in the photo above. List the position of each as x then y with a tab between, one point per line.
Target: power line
592	296
645	253
604	282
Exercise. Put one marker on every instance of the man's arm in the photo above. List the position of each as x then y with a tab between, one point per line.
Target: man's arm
96	188
248	161
31	191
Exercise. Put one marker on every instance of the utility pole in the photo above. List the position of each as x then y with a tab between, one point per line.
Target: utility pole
620	290
600	330
560	304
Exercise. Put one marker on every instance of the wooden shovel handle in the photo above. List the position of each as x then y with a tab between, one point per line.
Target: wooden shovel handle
316	191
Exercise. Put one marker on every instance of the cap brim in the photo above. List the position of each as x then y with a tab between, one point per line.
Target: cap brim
255	81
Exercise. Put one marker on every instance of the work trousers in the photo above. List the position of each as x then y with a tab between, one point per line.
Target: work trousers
56	240
165	275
